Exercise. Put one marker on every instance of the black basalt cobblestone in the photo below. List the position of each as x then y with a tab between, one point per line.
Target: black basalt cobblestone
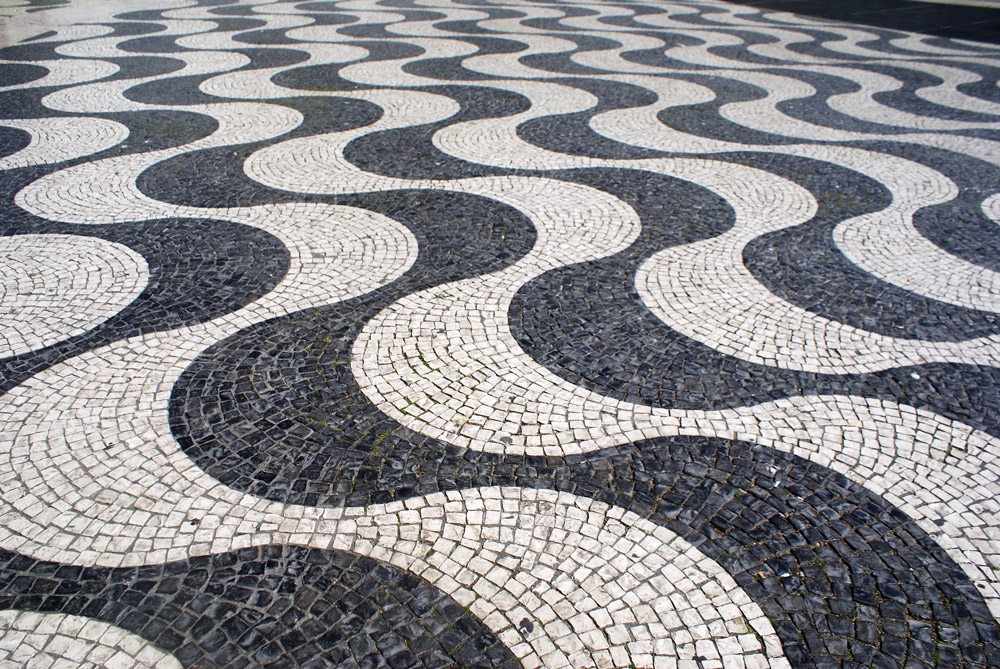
266	607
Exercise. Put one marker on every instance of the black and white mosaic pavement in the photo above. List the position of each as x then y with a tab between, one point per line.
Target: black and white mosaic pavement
364	333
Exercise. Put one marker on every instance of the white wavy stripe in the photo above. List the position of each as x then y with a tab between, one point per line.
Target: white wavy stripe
55	286
902	256
87	472
859	104
905	258
226	40
846	50
630	594
466	382
763	114
462	378
887	244
54	140
325	153
919	43
862	105
797	30
108	96
907	279
991	207
704	291
210	12
946	92
427	28
105	191
258	85
35	639
107	46
63	72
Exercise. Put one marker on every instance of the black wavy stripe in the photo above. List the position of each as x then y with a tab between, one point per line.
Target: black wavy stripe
18	74
555	23
803	265
408	153
704	120
958	226
319	6
471	27
814	109
817	47
29	50
12	140
184	90
740	53
986	88
275	411
134	67
833	566
659	57
198	270
378	30
630	354
327	78
629	21
838	570
308	391
27	102
403	152
563	63
659	366
226	8
700	15
451	68
148	131
274	606
905	97
221	181
196	273
571	133
24	103
877	40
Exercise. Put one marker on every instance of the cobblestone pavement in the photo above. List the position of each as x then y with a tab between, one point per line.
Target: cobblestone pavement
499	333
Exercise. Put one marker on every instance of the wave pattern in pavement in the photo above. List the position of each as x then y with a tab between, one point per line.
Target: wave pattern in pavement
496	333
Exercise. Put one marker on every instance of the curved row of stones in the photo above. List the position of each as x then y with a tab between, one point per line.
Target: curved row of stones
428	332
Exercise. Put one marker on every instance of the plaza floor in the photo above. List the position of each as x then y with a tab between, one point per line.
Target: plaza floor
499	333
